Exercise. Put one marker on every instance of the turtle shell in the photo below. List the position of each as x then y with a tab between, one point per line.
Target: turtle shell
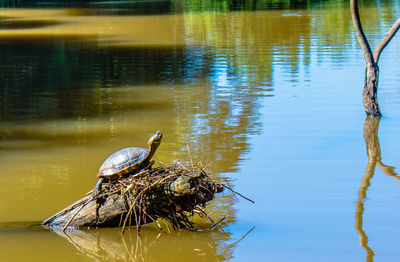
122	162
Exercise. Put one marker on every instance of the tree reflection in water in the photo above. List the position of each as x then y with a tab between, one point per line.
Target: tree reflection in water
371	126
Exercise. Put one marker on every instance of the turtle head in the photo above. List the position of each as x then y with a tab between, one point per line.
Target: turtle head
155	141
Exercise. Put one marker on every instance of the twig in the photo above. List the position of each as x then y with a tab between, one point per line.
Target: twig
204	213
132	184
140	173
230	188
139	195
190	157
182	166
127	250
154	220
248	232
77	246
217	223
65	210
206	166
128	188
76	212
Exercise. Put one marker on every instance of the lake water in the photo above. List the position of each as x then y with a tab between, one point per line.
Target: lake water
269	94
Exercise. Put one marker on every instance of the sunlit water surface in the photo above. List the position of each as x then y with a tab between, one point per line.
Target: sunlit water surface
271	99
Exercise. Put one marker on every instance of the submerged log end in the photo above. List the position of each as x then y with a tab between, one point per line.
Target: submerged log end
83	214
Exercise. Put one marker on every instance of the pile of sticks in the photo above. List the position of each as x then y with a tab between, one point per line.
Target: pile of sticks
172	192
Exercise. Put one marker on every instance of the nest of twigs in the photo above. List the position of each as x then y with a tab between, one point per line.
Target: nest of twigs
173	192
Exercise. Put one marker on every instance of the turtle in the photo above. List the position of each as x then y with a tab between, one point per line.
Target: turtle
127	161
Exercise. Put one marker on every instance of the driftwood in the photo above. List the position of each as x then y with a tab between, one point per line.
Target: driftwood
171	192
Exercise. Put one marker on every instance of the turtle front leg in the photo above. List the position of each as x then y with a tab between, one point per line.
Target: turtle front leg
96	193
97	187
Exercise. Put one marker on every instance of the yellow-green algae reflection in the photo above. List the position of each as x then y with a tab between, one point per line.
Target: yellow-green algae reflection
247	91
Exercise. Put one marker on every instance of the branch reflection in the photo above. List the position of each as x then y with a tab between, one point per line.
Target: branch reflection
152	245
371	126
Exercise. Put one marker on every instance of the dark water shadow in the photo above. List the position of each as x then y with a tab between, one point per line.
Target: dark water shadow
20	227
25	24
371	126
150	7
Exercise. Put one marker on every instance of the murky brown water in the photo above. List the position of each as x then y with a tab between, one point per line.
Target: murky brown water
272	99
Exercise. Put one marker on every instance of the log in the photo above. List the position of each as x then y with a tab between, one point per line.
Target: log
171	192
